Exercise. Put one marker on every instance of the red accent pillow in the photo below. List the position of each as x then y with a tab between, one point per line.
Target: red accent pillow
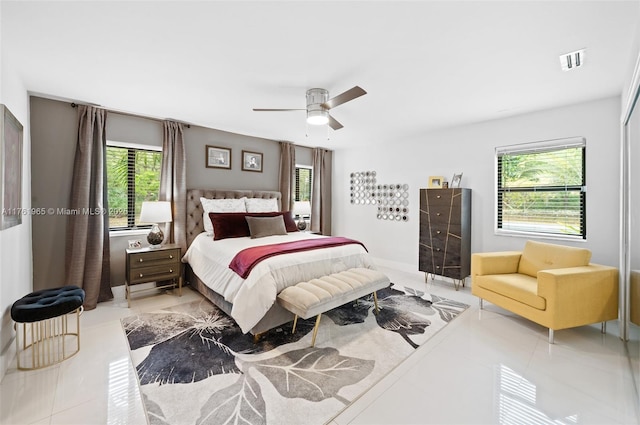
234	225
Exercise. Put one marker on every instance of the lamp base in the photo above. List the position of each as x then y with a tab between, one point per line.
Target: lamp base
302	224
155	237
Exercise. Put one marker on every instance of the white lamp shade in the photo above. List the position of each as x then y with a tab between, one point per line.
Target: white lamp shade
302	208
156	212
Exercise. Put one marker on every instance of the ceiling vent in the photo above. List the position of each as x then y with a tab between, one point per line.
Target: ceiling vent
573	60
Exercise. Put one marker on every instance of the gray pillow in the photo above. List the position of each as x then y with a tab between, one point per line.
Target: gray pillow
260	227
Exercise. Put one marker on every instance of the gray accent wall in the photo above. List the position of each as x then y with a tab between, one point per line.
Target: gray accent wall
54	136
199	176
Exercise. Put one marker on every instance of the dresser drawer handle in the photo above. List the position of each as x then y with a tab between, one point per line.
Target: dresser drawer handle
438	231
438	214
438	196
141	275
438	249
141	260
171	256
170	270
437	267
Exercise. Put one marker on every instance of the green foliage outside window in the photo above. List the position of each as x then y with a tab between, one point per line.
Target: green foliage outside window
303	184
542	192
133	176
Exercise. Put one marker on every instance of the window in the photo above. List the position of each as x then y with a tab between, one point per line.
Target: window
541	189
303	183
133	176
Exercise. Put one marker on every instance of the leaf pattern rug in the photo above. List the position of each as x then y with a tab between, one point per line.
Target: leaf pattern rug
195	366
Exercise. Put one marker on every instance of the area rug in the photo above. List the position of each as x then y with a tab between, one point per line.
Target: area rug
195	366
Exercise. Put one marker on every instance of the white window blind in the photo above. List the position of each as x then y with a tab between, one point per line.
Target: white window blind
541	188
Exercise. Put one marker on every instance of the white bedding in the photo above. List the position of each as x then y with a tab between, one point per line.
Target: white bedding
252	297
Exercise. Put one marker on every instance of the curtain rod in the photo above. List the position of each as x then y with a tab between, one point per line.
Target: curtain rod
74	105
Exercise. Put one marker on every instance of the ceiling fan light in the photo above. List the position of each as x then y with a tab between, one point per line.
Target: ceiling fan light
317	117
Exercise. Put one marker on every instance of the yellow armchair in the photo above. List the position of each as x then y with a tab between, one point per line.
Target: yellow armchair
553	285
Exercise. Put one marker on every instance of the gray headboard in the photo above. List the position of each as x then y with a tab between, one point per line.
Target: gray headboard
194	208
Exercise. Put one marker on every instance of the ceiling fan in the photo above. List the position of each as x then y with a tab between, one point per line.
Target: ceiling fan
318	105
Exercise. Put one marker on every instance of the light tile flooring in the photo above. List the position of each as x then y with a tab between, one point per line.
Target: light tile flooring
487	366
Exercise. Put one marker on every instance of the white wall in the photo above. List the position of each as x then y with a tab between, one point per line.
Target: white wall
15	242
470	149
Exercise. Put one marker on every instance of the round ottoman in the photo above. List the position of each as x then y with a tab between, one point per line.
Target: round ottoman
46	336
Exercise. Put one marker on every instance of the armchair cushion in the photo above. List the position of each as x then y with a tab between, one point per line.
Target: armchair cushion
538	256
516	286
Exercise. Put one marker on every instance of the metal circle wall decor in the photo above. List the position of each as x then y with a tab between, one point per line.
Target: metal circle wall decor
392	199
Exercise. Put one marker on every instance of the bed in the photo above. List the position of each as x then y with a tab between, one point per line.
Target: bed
251	302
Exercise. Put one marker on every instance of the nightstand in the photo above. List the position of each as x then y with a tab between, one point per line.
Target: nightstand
153	265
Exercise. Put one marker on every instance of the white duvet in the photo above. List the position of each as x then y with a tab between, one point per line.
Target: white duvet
252	297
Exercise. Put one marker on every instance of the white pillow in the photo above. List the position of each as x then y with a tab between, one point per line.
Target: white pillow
261	204
220	205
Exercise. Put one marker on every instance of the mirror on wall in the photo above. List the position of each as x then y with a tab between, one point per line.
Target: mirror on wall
631	277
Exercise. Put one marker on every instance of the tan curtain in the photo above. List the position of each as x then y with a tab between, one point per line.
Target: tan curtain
87	240
321	192
287	175
173	182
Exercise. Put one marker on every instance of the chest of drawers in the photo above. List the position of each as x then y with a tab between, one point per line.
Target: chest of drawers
445	233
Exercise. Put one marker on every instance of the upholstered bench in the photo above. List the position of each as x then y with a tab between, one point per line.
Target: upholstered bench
45	313
312	298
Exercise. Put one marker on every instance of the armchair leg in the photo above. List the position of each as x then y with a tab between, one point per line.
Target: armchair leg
481	303
550	336
603	327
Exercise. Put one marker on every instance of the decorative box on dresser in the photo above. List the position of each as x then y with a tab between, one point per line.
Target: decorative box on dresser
445	233
154	265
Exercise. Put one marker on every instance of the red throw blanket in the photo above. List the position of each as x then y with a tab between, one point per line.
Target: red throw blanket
248	258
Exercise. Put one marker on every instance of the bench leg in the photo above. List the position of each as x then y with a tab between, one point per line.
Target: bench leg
315	330
375	301
295	322
551	338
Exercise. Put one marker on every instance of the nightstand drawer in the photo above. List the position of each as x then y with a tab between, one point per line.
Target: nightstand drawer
147	259
161	265
154	272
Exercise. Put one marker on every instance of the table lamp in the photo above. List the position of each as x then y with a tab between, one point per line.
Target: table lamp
302	209
155	212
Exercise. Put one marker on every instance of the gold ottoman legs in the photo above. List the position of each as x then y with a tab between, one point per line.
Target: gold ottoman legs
47	342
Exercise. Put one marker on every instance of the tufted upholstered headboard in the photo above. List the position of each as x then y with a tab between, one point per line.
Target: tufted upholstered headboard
194	207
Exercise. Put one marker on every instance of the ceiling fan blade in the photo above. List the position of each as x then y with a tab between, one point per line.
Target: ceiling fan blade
333	123
350	94
273	110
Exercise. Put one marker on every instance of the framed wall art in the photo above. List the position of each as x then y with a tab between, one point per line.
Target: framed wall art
10	169
455	181
218	157
251	161
435	182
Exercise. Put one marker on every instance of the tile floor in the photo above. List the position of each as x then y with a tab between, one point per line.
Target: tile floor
486	367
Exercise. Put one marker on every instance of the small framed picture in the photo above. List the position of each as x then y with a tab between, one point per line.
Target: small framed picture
455	181
135	243
435	182
218	157
251	161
